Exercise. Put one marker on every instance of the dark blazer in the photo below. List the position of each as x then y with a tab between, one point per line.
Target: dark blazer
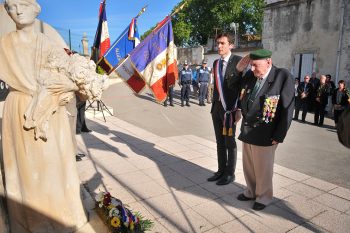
309	90
231	86
344	99
254	130
322	92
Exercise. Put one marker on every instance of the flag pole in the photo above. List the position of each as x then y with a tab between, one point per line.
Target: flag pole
143	9
178	9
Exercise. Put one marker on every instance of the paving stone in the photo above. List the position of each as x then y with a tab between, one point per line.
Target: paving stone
173	147
195	195
146	190
133	178
187	221
305	190
243	225
289	173
277	218
334	202
175	182
301	206
333	221
159	172
307	228
281	181
281	194
200	176
214	230
205	161
341	192
190	154
158	228
320	184
143	162
164	205
218	212
221	190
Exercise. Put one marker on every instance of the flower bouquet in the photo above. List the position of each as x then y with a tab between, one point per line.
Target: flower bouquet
119	218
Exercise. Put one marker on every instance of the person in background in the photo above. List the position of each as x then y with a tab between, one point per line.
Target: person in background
81	121
296	85
203	77
210	88
303	99
321	99
185	82
170	97
267	102
339	100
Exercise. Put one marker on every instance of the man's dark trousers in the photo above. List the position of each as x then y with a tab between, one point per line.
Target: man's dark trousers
226	145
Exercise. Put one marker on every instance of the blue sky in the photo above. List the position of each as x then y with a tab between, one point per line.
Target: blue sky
81	15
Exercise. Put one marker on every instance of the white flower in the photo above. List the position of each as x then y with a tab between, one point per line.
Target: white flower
99	197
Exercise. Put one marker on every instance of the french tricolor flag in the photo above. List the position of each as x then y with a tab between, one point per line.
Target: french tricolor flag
155	59
102	41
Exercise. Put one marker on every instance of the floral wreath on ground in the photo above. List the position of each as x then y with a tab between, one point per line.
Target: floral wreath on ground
119	218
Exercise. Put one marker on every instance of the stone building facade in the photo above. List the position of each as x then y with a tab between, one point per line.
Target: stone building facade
309	36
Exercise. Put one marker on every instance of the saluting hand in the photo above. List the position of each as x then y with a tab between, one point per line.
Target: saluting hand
243	63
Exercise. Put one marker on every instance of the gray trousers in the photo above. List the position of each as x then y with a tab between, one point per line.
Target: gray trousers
258	171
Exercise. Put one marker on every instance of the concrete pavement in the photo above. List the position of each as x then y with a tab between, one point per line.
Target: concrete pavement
165	179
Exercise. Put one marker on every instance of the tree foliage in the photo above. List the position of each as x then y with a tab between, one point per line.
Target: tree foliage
200	20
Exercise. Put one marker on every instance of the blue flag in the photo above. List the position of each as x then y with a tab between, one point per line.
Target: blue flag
125	43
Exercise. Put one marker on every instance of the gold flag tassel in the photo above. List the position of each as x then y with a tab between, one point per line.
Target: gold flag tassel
230	131
224	131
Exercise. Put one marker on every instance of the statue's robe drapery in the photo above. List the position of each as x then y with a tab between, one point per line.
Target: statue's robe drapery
41	180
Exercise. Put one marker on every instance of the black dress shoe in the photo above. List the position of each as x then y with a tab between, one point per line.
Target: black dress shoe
86	130
225	180
171	104
242	197
81	155
258	206
215	177
77	158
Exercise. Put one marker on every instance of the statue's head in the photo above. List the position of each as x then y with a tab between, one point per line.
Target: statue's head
22	12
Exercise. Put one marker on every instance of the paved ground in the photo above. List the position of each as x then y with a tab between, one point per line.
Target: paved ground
165	179
308	149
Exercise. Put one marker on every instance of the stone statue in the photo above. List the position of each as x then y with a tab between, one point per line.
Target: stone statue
41	180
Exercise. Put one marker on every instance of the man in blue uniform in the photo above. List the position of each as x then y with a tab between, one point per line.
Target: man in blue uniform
203	76
267	102
185	83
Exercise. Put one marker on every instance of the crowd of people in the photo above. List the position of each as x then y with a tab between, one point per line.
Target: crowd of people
316	94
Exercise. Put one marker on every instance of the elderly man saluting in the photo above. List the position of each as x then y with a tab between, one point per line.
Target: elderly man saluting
267	102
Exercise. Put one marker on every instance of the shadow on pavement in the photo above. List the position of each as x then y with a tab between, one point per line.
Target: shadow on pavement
171	166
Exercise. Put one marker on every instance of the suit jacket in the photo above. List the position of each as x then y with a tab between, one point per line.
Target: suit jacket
309	90
255	129
322	92
344	98
231	85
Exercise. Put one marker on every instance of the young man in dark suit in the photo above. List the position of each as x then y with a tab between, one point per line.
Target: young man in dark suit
267	102
224	109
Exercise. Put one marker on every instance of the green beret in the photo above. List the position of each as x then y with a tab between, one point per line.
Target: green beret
260	54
